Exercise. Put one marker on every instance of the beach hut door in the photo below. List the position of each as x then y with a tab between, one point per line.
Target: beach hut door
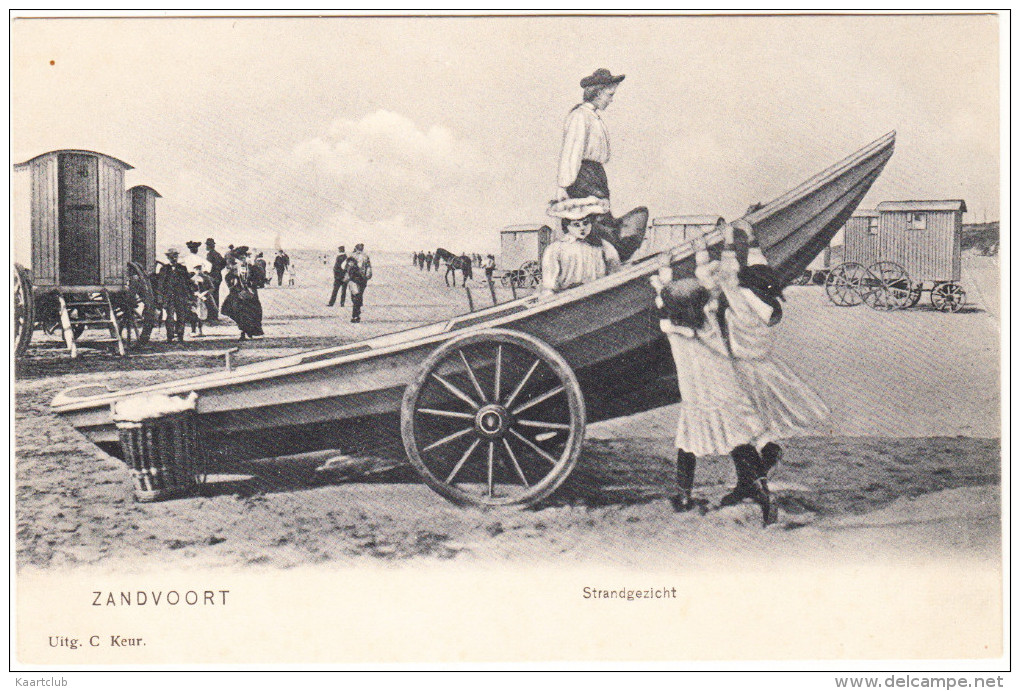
79	219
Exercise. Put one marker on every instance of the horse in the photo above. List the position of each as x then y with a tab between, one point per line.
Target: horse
453	263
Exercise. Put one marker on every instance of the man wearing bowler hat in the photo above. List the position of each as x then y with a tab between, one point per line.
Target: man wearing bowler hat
582	173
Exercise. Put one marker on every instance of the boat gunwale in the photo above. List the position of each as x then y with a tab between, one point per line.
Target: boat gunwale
643	267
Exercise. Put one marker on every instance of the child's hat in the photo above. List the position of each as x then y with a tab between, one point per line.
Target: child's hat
575	209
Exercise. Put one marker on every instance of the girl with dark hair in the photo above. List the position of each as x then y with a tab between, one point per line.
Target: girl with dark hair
786	405
716	416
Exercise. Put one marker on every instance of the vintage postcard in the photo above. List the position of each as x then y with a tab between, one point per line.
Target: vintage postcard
522	340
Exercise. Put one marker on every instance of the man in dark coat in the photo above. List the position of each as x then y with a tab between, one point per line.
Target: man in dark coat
173	283
216	265
281	263
339	277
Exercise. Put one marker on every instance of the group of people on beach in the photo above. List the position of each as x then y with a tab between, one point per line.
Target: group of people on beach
188	289
735	398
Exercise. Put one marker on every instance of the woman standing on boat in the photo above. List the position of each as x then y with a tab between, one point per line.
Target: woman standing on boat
581	178
242	303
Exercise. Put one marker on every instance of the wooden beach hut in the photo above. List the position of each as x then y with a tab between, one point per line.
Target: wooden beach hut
81	274
143	225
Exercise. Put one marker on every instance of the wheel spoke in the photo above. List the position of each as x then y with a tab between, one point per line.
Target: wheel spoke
499	370
520	386
534	447
456	392
517	466
446	413
492	449
463	460
471	375
541	424
538	399
448	439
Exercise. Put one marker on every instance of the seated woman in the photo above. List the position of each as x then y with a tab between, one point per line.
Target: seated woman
577	258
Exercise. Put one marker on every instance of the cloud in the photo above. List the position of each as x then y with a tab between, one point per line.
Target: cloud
385	165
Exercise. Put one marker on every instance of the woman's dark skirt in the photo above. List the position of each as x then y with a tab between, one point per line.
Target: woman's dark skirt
245	311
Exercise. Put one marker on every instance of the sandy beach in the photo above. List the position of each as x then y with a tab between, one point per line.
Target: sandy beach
909	468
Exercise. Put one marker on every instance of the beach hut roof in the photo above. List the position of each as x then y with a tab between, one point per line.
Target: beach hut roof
25	164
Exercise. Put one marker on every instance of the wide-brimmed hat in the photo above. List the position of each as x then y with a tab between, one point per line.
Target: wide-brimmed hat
243	249
193	244
574	209
210	241
601	77
172	252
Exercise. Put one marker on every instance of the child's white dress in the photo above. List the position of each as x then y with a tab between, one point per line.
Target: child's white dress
716	414
785	404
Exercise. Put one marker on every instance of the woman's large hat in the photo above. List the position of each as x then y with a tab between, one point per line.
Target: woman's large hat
601	77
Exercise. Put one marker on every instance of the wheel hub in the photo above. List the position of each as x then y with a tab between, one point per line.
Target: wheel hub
492	421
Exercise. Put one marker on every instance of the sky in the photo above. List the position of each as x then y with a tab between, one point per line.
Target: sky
408	133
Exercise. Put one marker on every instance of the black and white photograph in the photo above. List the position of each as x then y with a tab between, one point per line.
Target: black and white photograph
509	340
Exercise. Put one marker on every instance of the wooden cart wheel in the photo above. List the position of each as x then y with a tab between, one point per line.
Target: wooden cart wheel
506	279
887	287
844	285
24	309
915	294
531	274
948	297
494	418
142	301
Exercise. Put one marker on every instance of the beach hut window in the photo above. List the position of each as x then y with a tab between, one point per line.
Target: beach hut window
873	225
917	222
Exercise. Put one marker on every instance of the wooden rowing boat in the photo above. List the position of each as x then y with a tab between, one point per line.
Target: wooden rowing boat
489	406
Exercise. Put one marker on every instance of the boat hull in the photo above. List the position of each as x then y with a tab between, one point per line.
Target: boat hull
349	397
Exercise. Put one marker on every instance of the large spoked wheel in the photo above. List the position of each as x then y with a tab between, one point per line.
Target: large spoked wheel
888	287
24	309
845	284
142	310
948	297
494	418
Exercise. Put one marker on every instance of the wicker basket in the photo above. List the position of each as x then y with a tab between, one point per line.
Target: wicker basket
163	453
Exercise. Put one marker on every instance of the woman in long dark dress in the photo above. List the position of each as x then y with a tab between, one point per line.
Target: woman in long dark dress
242	303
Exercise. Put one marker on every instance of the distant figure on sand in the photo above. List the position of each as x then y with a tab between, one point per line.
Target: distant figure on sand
359	273
339	277
280	263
